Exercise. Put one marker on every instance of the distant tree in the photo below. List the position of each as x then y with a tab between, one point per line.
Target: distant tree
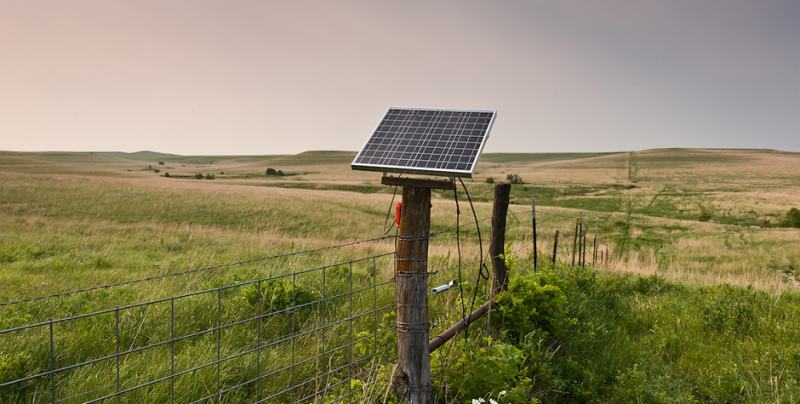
166	175
514	179
161	163
198	176
155	170
489	180
280	173
271	171
210	176
792	218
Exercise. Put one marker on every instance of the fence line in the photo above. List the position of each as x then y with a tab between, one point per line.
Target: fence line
218	266
305	321
330	344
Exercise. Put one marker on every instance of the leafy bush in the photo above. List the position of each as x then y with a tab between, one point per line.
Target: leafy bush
487	368
528	306
792	218
166	175
274	173
279	295
198	176
733	311
210	176
161	163
705	214
489	180
514	179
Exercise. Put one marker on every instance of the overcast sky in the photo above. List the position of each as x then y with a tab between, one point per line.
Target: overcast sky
260	77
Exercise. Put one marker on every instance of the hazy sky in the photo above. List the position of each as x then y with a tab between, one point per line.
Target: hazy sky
261	77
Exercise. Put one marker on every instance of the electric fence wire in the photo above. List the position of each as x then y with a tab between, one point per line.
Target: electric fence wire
458	248
482	270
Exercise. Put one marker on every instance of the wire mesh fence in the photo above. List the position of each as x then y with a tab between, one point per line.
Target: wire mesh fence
321	334
292	337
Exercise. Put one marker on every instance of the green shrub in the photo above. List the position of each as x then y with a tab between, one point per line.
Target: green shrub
199	176
705	214
489	180
277	295
514	179
732	311
528	306
792	218
166	175
485	368
210	176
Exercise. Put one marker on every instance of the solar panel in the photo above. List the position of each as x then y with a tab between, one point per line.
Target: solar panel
426	141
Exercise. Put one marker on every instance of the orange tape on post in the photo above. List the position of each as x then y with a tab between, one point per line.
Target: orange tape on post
397	212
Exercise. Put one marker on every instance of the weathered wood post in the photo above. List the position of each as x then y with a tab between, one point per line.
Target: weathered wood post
498	245
583	252
555	249
411	380
575	242
535	248
580	240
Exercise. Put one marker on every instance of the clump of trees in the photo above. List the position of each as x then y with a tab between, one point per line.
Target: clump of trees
514	179
792	218
271	172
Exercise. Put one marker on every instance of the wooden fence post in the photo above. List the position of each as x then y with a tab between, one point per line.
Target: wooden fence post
555	249
498	243
583	252
535	248
412	377
580	240
575	242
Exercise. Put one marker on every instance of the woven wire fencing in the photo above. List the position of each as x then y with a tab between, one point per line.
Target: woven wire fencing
322	334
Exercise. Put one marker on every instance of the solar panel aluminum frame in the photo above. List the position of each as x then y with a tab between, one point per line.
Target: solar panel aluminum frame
424	171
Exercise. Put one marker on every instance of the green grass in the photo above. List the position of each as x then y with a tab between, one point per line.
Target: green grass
71	220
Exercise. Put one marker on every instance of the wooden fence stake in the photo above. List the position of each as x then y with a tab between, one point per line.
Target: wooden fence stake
411	380
580	240
535	248
594	249
575	242
555	249
583	251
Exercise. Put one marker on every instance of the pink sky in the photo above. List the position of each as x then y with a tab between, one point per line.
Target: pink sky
259	77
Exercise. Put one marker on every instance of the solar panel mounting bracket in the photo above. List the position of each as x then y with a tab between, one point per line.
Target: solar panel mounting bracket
418	182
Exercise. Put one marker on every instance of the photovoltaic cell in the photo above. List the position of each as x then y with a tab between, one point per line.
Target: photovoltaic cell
426	141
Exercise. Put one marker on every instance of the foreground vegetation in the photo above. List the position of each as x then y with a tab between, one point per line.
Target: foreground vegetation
576	335
699	303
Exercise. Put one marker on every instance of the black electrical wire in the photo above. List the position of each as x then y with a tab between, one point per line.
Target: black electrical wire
482	266
389	213
458	248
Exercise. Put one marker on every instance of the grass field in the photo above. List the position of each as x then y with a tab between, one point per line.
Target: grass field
692	222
